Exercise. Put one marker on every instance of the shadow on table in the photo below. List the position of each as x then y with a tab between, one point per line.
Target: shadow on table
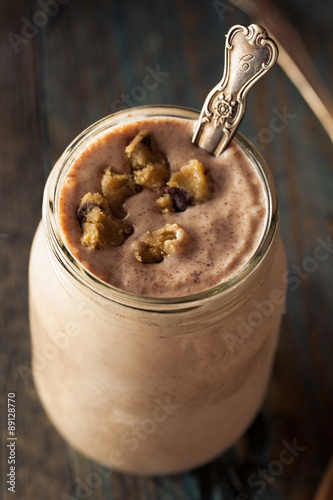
231	476
234	475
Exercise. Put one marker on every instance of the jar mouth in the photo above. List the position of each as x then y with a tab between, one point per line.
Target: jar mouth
80	274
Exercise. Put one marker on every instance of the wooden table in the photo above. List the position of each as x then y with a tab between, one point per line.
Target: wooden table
84	61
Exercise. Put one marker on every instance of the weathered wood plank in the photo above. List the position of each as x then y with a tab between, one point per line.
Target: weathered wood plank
38	455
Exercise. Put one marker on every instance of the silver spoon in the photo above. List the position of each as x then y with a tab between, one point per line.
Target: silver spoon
249	54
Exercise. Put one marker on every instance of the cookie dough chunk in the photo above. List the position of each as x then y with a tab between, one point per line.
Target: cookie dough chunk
164	204
99	226
116	188
191	185
150	166
174	200
154	247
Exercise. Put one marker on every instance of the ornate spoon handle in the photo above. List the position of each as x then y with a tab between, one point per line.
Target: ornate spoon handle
249	54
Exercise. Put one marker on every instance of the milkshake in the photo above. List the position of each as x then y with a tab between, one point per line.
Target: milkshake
156	292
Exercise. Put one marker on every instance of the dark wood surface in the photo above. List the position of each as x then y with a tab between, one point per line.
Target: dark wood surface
69	74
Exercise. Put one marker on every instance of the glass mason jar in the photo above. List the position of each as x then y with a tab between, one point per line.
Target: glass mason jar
151	385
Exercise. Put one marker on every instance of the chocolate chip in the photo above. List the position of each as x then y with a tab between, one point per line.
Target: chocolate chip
147	141
83	210
180	198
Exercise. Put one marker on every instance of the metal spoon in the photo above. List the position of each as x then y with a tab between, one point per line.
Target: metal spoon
249	54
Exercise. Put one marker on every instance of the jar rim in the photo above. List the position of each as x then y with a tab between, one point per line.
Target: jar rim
82	275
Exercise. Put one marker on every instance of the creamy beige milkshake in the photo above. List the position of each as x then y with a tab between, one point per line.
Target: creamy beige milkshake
223	231
155	293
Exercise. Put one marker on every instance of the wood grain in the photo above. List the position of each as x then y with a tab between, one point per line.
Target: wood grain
73	71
